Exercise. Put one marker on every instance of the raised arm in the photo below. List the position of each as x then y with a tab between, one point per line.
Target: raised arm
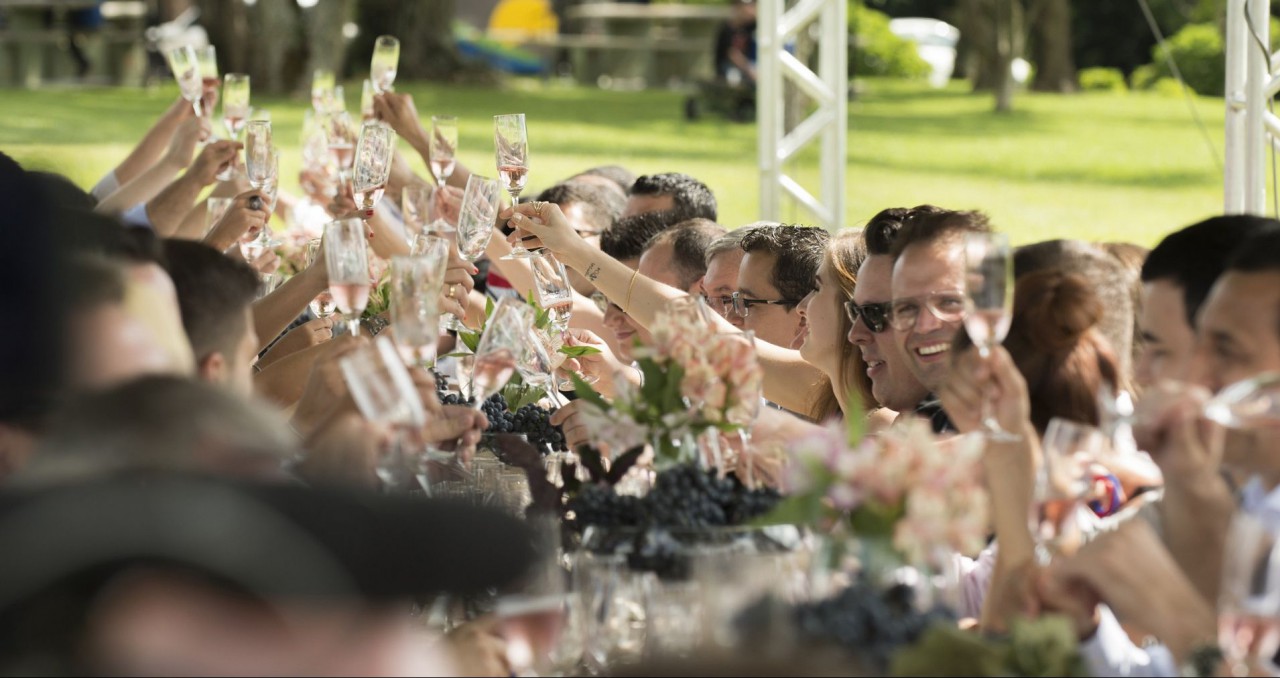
153	143
147	184
788	378
167	210
399	111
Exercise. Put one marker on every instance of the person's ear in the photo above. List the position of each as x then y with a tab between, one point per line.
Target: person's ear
213	368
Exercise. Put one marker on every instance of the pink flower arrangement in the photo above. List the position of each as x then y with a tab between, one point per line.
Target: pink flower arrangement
694	380
923	492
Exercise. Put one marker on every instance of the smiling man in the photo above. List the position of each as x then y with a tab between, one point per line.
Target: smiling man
893	383
777	271
929	295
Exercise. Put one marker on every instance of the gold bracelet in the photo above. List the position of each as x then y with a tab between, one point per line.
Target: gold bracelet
631	286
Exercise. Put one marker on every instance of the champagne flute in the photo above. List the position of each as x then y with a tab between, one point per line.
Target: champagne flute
347	257
503	341
511	148
1070	451
415	312
372	166
989	287
1250	404
531	619
386	59
444	147
214	209
415	207
384	392
258	152
207	58
185	65
366	101
475	223
322	305
322	90
553	290
341	135
1249	599
235	103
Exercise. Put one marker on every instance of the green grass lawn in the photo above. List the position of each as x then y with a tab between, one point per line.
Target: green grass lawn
1098	166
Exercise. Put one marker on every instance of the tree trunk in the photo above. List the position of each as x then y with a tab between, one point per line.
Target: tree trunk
1008	31
322	26
1051	33
228	26
275	30
425	29
977	23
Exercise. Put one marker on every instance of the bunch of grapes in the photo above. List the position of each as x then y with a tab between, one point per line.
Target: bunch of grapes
531	420
690	497
867	622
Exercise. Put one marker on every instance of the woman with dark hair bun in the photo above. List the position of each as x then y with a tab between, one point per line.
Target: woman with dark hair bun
1055	342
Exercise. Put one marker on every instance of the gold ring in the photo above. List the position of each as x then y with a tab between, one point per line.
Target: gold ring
452	290
537	208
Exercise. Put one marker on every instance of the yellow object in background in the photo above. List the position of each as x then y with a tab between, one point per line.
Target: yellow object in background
516	21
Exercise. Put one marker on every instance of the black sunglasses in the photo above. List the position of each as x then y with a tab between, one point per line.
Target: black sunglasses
876	316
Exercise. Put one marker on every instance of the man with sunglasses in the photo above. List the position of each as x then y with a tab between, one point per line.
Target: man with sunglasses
893	383
777	271
929	296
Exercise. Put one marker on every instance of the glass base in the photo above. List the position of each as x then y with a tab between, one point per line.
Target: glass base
455	324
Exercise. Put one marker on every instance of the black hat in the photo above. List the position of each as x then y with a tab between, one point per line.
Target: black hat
268	540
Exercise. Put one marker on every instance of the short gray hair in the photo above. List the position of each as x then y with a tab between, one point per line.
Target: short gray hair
733	239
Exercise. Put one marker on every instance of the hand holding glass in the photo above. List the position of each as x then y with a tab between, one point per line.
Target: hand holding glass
347	258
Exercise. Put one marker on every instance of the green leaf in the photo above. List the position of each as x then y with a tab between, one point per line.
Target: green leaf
579	351
876	519
460	354
488	307
590	458
945	650
623	463
589	394
799	509
470	339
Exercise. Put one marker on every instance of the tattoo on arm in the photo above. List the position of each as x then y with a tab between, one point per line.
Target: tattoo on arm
593	272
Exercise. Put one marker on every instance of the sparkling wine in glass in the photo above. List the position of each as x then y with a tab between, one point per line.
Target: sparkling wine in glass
1249	598
552	288
185	65
415	207
1071	452
235	103
366	101
384	392
989	287
372	165
415	312
322	305
501	345
347	257
322	90
475	223
386	59
207	57
444	147
1251	404
342	135
511	151
258	152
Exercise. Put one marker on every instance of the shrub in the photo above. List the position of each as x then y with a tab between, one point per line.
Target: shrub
1102	80
875	51
1144	77
1168	87
1200	53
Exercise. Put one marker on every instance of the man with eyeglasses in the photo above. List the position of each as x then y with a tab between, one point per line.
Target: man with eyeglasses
893	383
723	259
777	271
929	296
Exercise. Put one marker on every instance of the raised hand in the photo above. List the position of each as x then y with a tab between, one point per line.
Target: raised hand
972	379
211	161
247	215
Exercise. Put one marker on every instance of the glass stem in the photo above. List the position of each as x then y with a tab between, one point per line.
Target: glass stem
354	326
